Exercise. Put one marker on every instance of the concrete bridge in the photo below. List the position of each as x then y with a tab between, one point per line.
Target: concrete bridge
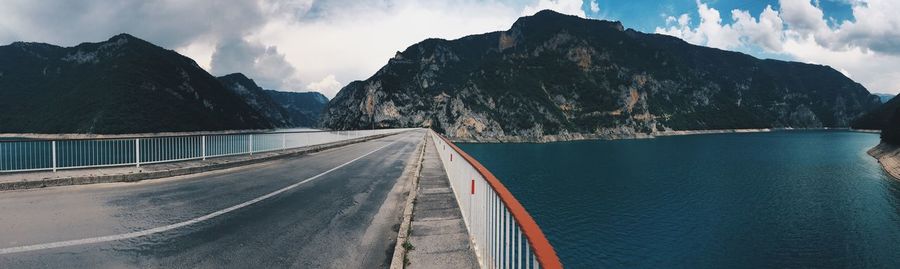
371	199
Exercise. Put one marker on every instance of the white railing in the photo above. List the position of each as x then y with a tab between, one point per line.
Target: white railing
503	233
53	155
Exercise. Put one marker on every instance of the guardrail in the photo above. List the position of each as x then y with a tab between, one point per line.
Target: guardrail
53	155
497	222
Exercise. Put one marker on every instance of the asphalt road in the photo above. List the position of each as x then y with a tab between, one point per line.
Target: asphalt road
339	208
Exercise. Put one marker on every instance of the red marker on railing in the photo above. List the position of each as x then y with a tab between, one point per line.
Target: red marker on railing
542	252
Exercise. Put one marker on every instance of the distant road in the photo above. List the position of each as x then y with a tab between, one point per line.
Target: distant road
339	208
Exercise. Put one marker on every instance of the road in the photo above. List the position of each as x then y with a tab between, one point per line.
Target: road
338	208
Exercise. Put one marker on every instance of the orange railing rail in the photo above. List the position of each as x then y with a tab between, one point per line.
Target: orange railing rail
494	218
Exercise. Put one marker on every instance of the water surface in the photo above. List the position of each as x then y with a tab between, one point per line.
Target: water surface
761	200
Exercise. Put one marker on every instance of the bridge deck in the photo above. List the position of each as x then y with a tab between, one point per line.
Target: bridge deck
338	208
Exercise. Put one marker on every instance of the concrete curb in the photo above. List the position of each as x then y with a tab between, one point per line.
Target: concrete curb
398	261
132	177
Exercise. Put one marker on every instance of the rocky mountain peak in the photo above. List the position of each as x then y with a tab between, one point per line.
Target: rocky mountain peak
121	85
125	36
238	78
560	76
549	20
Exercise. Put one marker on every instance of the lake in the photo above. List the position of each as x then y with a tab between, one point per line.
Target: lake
758	200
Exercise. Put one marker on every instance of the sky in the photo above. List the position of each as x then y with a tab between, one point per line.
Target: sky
321	45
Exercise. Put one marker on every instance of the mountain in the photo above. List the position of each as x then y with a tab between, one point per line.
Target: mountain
885	118
890	132
553	76
304	108
122	85
884	97
258	99
878	118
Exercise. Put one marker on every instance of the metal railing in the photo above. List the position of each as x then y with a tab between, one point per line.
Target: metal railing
503	233
53	155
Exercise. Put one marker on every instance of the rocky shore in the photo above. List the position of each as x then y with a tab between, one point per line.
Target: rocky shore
889	157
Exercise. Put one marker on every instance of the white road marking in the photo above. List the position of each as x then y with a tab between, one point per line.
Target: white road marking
130	235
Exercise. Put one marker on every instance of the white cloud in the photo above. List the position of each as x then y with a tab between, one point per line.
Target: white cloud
716	34
571	7
170	23
682	29
709	32
876	26
200	51
877	71
352	42
595	7
802	16
264	64
766	31
329	86
866	47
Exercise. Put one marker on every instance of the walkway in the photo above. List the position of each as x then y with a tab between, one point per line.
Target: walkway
438	235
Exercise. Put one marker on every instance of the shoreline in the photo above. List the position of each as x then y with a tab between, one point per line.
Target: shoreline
888	157
580	137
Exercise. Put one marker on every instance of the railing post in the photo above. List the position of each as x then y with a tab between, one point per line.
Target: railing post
137	152
54	155
251	144
283	141
203	146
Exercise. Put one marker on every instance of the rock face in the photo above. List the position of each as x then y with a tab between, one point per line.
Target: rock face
304	108
122	85
553	76
258	99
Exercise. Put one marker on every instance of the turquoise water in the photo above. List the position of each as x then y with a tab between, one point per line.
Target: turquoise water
810	199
